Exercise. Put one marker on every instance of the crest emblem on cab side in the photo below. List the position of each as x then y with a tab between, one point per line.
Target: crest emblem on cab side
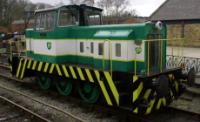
49	45
138	50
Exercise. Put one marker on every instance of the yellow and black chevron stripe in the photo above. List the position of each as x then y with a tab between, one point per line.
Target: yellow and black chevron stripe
175	86
155	102
21	68
105	82
103	79
138	91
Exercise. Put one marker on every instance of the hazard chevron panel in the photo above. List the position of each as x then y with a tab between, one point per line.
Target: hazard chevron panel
103	79
106	84
149	94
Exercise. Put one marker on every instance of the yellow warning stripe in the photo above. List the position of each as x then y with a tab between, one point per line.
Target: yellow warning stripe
72	72
171	94
23	69
135	110
149	109
51	69
65	71
137	92
164	101
147	93
40	66
89	75
103	88
112	87
46	67
135	78
159	103
19	67
80	73
58	69
176	85
29	64
34	65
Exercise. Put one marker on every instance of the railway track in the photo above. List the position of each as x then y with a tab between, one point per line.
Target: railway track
12	111
71	116
123	117
74	117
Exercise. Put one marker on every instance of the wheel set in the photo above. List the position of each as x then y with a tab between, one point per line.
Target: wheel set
87	91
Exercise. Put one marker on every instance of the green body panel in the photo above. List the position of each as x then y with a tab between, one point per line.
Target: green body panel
86	61
163	32
132	32
139	31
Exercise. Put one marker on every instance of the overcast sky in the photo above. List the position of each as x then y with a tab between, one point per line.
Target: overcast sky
142	7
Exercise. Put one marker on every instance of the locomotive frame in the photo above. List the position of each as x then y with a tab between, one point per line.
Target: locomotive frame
134	78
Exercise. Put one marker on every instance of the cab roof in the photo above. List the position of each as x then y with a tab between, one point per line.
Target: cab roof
82	6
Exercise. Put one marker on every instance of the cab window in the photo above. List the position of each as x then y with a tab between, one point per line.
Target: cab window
67	17
101	49
118	50
94	19
45	21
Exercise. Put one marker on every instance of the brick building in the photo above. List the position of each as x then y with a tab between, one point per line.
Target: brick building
182	18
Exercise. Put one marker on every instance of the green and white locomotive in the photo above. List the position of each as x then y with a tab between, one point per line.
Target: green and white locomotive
122	65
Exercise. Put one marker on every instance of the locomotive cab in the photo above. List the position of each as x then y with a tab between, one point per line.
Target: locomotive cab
47	20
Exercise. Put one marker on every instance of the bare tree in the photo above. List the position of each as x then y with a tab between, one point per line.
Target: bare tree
119	6
129	13
106	5
115	10
87	2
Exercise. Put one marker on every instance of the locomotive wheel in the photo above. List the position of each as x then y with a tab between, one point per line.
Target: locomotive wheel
88	92
64	87
44	82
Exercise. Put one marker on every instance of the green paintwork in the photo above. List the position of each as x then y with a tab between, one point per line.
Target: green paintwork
121	32
88	92
64	87
122	66
136	32
44	82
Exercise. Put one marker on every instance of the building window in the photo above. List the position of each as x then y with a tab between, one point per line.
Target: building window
92	47
101	49
118	50
81	47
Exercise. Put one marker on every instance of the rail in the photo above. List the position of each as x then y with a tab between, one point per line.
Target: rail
24	109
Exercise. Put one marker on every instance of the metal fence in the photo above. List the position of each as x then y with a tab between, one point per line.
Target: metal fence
186	62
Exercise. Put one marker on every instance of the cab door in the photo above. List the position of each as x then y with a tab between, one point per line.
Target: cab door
154	54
